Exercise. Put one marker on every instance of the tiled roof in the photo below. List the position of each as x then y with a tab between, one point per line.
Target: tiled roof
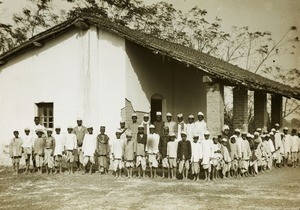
217	68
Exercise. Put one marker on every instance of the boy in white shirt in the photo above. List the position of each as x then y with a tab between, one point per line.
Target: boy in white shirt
27	148
58	150
196	156
294	147
152	151
69	147
89	149
172	154
117	150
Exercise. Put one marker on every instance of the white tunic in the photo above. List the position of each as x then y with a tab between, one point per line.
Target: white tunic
197	153
59	144
70	141
152	143
180	127
286	143
294	143
89	144
117	148
27	141
208	152
245	150
172	149
199	128
190	127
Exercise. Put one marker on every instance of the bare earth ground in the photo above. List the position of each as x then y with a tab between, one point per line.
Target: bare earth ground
278	189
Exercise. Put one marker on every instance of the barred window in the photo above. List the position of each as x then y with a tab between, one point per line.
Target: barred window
45	112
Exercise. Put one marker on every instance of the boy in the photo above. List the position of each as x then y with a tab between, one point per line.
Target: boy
15	151
181	126
190	128
294	147
117	149
286	147
140	151
146	123
133	126
70	146
103	151
58	150
152	151
79	131
49	151
89	149
184	155
172	155
245	154
196	156
226	161
217	156
163	143
27	148
38	150
234	155
170	123
207	147
159	124
130	151
200	126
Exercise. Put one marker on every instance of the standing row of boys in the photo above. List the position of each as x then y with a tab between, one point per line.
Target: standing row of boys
177	146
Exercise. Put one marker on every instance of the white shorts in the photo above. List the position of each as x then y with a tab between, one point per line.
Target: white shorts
129	164
86	159
165	163
140	160
153	161
118	164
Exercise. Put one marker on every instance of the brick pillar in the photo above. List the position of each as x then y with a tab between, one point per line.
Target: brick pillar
215	108
240	108
276	110
260	110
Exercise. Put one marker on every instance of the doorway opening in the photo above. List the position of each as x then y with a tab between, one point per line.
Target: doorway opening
157	105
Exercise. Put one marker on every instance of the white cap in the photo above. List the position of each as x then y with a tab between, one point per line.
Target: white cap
225	127
122	121
196	135
128	133
224	140
140	126
249	135
244	133
49	129
233	136
285	128
146	115
271	134
277	124
57	127
134	115
258	129
118	131
79	118
263	136
70	126
206	132
158	113
172	134
27	129
88	127
151	126
180	115
237	130
183	132
256	133
191	116
200	114
268	135
273	129
169	114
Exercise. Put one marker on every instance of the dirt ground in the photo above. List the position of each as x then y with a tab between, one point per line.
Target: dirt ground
278	189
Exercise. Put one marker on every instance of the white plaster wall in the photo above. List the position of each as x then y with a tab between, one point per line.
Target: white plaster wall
148	74
82	73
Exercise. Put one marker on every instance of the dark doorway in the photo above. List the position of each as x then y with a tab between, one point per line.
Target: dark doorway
156	106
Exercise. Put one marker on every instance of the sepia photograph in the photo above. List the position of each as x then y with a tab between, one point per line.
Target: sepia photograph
149	104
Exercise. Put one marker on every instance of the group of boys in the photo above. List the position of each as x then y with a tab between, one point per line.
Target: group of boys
175	146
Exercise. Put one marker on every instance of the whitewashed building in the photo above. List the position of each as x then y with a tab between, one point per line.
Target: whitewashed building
91	68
